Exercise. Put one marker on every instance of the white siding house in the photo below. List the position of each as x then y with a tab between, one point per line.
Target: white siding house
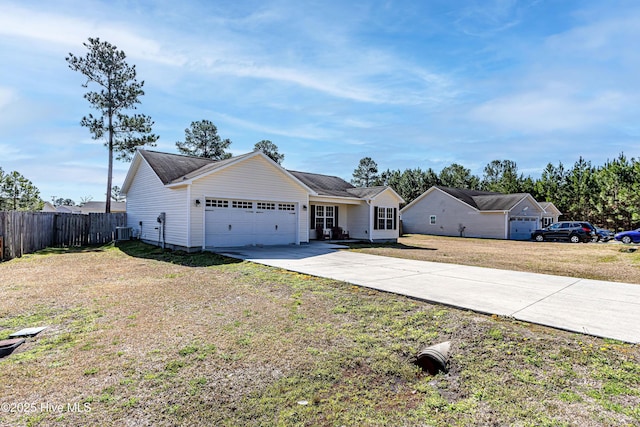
470	213
193	203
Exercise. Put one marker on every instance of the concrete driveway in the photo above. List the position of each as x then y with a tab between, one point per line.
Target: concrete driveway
603	309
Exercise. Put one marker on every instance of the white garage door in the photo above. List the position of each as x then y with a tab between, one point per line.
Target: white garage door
521	228
231	223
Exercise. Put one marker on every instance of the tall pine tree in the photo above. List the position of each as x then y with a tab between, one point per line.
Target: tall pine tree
118	92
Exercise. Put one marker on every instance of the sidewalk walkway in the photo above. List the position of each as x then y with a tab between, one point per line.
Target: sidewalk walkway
603	309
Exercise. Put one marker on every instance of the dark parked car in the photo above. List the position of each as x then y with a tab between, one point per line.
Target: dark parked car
604	235
628	236
572	231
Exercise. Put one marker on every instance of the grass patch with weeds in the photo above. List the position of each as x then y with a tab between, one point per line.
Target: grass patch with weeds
219	342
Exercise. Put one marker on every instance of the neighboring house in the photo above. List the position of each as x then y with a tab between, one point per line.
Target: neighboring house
447	211
99	207
193	203
49	207
86	208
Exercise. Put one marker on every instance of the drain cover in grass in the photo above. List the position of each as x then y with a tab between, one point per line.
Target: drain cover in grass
7	346
28	332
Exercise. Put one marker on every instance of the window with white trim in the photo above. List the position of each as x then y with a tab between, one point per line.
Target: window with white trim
325	217
432	220
286	207
385	218
266	206
239	204
212	203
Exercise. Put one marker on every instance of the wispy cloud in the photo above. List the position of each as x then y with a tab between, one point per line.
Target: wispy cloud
306	131
6	97
351	71
576	82
10	153
606	35
488	17
52	28
548	111
411	84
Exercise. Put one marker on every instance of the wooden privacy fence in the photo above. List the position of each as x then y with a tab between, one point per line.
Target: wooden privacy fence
25	232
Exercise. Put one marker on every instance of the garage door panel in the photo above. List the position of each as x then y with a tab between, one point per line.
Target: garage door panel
269	223
521	228
287	223
217	220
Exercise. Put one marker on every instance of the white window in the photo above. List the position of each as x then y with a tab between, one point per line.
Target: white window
286	207
329	217
211	203
386	220
432	219
238	204
325	217
265	206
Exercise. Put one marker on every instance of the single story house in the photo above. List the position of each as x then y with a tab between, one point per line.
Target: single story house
194	203
49	207
100	207
445	211
86	208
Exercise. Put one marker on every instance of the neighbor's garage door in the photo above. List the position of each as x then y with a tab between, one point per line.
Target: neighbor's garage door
240	223
521	228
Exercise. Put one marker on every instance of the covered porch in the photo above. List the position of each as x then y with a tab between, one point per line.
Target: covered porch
338	219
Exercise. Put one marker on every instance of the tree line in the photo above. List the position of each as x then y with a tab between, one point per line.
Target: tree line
606	195
17	193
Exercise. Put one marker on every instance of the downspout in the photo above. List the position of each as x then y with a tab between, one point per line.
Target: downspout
164	229
204	217
371	219
306	220
506	225
188	217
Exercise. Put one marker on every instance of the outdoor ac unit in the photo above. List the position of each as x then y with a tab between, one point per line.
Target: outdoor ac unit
123	233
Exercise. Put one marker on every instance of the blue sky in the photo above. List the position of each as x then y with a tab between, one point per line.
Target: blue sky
410	84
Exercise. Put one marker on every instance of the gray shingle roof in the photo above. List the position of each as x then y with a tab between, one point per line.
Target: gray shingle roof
325	185
173	168
485	200
367	192
215	164
170	167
